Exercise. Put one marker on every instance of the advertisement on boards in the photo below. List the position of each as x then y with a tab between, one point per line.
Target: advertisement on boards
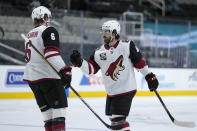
11	80
14	78
84	82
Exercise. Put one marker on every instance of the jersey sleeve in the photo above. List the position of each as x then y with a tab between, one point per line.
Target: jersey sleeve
51	42
50	38
137	59
90	66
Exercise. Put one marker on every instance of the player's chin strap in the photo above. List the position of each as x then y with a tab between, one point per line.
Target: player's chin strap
111	37
47	22
113	127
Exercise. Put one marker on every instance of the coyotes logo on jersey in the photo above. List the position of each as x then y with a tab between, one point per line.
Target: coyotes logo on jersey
115	67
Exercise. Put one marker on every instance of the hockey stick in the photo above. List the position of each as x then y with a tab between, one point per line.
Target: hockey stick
178	123
114	127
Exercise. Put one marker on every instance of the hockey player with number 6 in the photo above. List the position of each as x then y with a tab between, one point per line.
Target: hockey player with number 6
116	59
47	86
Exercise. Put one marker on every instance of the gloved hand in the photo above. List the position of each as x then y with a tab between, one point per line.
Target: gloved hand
66	75
75	58
152	81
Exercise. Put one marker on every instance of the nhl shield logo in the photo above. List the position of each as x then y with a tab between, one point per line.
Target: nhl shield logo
103	56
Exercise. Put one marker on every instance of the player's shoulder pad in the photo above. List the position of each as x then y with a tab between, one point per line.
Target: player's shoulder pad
98	48
133	47
49	30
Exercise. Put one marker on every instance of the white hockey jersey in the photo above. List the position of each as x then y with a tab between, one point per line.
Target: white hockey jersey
46	40
117	66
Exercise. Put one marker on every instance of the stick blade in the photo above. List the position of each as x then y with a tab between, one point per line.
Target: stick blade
189	124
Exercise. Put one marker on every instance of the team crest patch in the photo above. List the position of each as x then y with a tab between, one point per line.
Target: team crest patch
103	56
115	67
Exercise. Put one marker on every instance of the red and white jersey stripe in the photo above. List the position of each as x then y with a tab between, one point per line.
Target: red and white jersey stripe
51	51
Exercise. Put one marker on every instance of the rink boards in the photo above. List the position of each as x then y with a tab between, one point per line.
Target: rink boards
172	82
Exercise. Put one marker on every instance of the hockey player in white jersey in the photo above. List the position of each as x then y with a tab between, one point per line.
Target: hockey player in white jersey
46	85
116	59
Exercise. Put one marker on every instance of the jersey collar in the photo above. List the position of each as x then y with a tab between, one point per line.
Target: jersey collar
107	47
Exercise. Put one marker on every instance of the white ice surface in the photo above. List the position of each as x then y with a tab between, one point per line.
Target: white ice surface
146	114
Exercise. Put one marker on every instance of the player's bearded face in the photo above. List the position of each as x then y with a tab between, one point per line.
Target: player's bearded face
106	36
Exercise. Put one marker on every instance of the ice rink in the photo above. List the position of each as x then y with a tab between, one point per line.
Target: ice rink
147	114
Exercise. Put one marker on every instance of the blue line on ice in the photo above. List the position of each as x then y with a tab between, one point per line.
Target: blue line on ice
42	126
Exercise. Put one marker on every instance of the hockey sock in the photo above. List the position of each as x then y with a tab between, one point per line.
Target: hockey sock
125	125
48	125
120	120
58	124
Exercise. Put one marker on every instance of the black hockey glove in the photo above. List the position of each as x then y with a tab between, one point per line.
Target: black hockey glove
152	81
75	58
66	75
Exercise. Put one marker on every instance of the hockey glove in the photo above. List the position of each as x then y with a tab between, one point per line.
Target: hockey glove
152	81
75	58
66	75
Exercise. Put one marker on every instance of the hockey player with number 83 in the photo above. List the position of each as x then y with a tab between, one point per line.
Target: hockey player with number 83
116	59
